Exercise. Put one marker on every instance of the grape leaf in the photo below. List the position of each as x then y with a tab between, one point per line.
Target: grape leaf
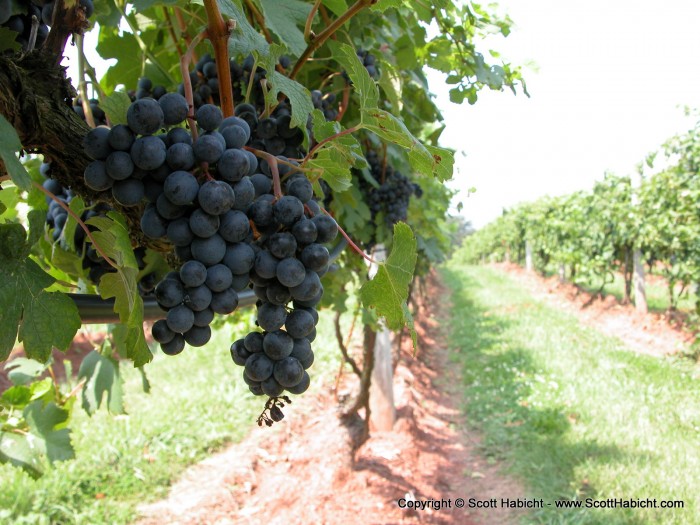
9	146
244	38
383	5
364	85
388	291
334	159
45	319
115	106
337	7
8	40
103	379
113	239
21	370
19	450
299	97
142	5
427	160
283	18
47	426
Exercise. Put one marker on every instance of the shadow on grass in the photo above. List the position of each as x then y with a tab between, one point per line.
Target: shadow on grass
533	441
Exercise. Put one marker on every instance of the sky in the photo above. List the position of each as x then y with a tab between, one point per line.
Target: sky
609	86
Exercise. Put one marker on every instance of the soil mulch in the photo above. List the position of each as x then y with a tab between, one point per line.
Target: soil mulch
303	470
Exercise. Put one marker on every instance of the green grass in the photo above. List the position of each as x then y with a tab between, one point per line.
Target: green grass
198	403
572	413
656	294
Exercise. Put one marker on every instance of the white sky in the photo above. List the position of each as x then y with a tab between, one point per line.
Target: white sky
612	80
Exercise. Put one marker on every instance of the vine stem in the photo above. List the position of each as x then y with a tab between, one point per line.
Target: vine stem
344	103
142	45
354	246
348	131
171	31
187	81
218	31
326	33
274	168
82	88
310	19
183	29
260	19
70	212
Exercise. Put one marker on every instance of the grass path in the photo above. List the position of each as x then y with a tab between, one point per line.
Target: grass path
573	413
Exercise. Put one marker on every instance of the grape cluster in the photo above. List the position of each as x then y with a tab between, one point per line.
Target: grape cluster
393	194
35	12
286	277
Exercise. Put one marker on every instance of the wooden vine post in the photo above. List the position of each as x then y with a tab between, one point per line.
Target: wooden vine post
381	392
640	297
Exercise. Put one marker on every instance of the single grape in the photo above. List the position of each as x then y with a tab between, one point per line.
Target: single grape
288	372
180	319
145	116
271	317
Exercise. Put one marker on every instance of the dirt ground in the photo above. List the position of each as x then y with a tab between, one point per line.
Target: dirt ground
302	471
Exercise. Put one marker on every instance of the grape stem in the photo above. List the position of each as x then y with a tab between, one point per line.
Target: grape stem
348	131
171	31
32	34
82	88
218	32
187	81
310	19
344	103
354	246
70	212
326	33
260	19
183	29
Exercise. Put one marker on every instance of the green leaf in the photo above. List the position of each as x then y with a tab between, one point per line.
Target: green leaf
299	97
103	379
388	291
8	40
16	396
9	146
337	7
47	424
244	38
113	239
115	106
21	370
283	19
45	319
363	84
383	5
142	5
390	82
124	48
334	159
21	451
427	160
